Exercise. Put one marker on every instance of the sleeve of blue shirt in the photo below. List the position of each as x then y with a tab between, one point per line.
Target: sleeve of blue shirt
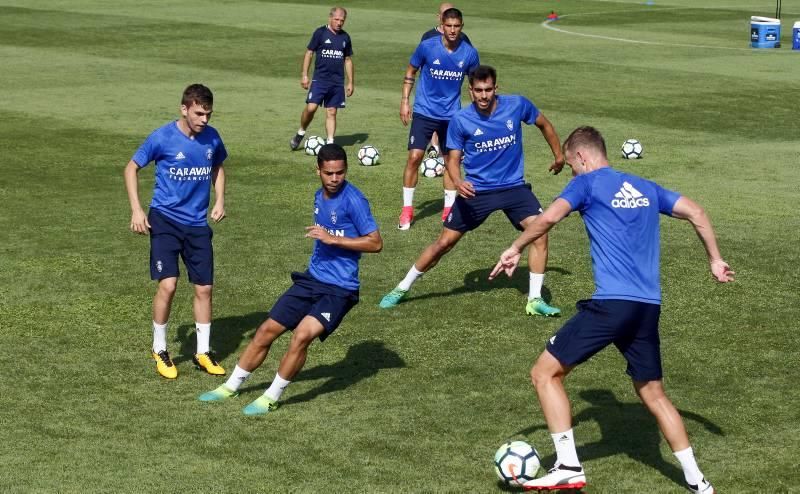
221	154
666	199
348	49
313	44
362	216
418	57
529	111
476	60
576	193
148	151
455	135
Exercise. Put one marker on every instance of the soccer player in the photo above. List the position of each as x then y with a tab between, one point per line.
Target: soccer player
314	306
188	154
489	132
333	50
621	213
436	32
444	61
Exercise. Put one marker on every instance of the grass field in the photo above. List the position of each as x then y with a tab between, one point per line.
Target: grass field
417	398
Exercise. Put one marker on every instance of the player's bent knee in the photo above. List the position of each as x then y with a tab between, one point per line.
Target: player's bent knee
168	286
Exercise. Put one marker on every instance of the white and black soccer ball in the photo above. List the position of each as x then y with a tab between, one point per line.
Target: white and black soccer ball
369	155
313	145
516	462
432	167
632	149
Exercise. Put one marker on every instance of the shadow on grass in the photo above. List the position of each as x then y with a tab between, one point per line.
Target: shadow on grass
626	428
352	139
363	360
478	281
227	334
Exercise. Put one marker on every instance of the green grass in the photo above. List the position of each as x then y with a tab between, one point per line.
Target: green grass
417	398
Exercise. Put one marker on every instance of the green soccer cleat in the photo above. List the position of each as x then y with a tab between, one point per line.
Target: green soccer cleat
220	393
392	298
538	307
262	406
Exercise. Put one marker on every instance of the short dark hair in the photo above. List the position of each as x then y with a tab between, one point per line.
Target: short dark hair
331	152
483	73
452	13
197	93
586	137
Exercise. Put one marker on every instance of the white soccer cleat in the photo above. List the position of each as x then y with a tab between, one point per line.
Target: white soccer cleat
703	487
559	477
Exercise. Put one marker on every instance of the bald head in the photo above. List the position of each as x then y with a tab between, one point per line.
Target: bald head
443	7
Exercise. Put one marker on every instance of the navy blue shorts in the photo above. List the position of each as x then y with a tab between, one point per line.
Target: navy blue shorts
326	94
308	297
422	128
517	203
631	326
168	239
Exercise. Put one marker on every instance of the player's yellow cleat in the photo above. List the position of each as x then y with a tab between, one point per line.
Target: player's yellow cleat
208	363
164	365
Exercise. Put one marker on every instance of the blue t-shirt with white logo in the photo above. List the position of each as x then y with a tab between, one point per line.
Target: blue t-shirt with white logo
346	214
621	216
492	145
183	171
441	76
330	49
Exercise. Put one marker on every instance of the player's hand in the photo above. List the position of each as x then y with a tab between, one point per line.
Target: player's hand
509	260
465	189
557	165
218	213
350	90
405	112
721	271
320	234
139	223
304	82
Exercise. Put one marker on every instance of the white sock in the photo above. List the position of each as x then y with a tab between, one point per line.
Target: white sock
203	330
301	132
329	141
275	389
159	337
691	471
410	278
535	283
408	196
449	198
565	449
238	377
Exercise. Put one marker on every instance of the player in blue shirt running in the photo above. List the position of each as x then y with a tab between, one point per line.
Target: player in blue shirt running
188	155
489	133
621	214
443	63
436	31
314	306
331	47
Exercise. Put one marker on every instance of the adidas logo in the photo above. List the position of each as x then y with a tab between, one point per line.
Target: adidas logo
437	62
327	316
327	41
180	156
478	132
628	198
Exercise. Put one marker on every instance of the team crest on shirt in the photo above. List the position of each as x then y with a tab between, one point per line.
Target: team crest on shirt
461	64
333	217
510	125
209	154
316	210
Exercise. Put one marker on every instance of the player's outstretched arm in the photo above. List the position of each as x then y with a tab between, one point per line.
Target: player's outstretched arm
139	223
371	242
350	71
687	209
551	136
405	94
304	80
218	179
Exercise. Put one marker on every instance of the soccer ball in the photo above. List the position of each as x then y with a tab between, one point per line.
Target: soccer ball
632	149
313	145
516	462
432	167
369	155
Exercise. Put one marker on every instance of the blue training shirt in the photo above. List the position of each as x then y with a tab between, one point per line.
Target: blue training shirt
492	145
330	49
442	73
183	171
620	212
346	214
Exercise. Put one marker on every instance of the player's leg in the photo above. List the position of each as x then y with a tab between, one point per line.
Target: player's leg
313	101
450	192
434	150
162	304
527	206
333	100
418	135
426	261
165	247
330	124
